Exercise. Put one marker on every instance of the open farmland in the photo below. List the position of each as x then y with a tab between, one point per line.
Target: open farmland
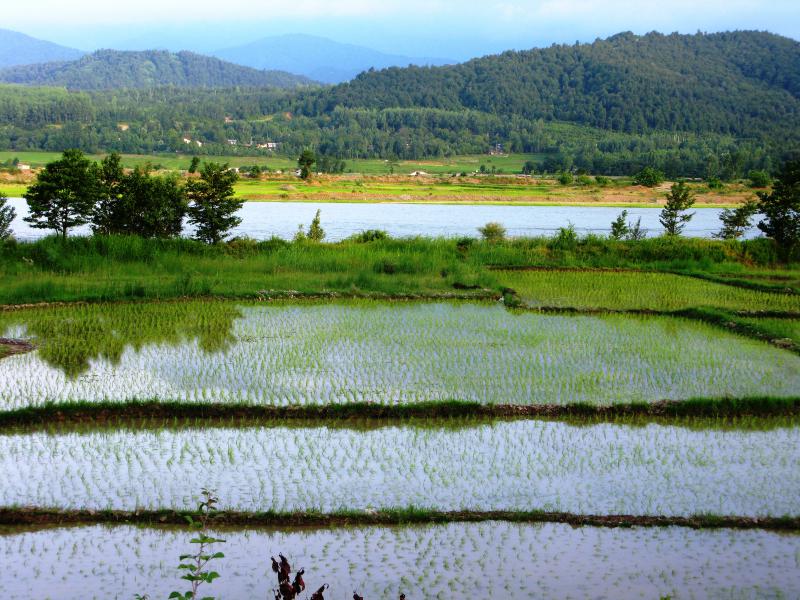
408	407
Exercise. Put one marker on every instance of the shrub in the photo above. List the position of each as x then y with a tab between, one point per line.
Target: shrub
601	180
584	180
715	183
565	178
759	179
493	232
370	235
649	177
566	239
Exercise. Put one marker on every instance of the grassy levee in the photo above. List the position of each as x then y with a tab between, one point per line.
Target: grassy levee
77	412
26	516
126	268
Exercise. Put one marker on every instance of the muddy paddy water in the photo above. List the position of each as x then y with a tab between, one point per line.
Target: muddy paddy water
485	560
386	353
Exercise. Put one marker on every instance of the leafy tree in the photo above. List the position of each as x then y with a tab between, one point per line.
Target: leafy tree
759	179
110	178
679	199
528	168
306	162
781	209
193	166
649	177
64	194
736	221
619	227
315	232
213	208
7	216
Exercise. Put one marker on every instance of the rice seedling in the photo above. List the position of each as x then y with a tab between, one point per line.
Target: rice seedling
650	291
446	561
283	355
375	352
514	466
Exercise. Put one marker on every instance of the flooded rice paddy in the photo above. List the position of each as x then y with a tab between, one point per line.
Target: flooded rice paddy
485	560
512	466
386	353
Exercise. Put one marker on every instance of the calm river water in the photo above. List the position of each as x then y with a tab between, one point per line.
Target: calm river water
261	220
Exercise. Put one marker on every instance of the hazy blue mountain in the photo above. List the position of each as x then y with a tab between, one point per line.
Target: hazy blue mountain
20	49
112	69
318	58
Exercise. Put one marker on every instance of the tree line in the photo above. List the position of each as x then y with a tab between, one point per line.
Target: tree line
74	191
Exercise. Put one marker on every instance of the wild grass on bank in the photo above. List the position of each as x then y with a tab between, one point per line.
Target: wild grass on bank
119	268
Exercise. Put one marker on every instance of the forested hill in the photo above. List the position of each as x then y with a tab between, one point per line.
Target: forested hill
741	83
111	69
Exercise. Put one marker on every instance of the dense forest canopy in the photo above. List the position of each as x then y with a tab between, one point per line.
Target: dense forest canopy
699	105
112	69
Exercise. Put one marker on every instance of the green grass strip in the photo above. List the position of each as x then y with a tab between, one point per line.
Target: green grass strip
101	412
42	517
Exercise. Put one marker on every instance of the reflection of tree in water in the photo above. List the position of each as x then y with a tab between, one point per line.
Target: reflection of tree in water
67	338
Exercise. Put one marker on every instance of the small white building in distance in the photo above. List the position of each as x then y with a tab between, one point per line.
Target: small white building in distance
23	167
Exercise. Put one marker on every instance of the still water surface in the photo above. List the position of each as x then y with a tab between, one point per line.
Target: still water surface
478	560
262	220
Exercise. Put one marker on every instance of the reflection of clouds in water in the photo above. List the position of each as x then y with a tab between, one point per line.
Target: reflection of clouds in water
262	220
443	561
396	353
525	465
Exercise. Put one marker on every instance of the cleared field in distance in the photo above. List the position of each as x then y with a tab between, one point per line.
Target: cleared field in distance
371	181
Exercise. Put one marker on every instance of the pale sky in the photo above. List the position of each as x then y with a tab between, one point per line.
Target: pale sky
413	27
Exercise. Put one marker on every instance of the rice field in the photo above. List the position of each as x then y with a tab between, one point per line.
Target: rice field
493	559
629	290
385	353
509	466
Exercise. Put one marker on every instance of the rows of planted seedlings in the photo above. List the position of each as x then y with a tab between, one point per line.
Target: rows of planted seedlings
518	466
630	290
443	561
380	352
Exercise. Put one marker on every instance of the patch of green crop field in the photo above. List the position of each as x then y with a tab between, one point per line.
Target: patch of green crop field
651	291
386	353
776	328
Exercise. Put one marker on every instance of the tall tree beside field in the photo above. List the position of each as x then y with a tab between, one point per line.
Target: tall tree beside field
306	162
781	209
212	207
65	194
7	215
110	177
148	206
673	216
735	221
